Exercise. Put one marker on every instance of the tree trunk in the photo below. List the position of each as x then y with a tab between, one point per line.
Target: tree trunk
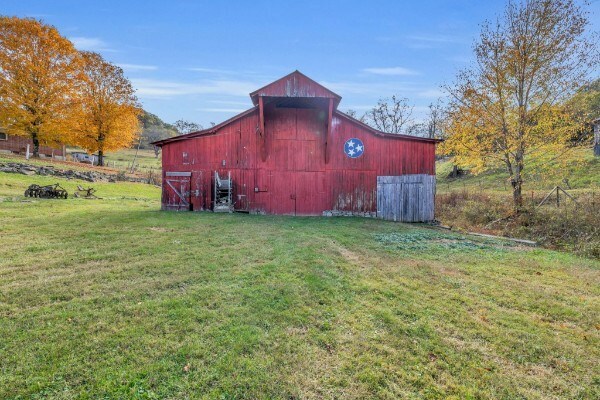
100	158
517	182
517	194
36	145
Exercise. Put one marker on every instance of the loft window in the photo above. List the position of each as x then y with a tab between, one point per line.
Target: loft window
186	158
3	136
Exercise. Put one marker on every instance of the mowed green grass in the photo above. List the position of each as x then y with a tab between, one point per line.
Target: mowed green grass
112	299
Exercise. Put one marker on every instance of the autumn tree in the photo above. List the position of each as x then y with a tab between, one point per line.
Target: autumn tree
509	106
390	115
109	118
40	74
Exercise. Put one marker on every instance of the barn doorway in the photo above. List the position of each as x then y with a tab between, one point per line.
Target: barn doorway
406	198
176	191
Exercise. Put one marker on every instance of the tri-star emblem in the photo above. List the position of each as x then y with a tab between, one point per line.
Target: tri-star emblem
354	148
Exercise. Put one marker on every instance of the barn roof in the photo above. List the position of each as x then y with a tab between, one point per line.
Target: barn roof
295	84
337	113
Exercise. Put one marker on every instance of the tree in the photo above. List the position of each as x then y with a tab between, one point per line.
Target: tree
390	115
109	119
40	74
509	107
435	120
184	126
354	114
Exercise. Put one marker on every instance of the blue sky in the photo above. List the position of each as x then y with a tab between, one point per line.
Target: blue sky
198	60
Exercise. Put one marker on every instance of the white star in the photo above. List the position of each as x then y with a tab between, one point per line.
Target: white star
359	148
351	152
350	143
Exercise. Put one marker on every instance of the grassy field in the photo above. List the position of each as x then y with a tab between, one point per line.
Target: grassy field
112	298
144	160
578	167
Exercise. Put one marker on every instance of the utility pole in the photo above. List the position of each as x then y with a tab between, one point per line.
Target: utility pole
135	156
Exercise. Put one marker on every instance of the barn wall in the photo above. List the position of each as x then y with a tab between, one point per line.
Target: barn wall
18	144
294	178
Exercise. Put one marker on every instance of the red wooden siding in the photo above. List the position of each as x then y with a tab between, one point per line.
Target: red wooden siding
18	144
294	179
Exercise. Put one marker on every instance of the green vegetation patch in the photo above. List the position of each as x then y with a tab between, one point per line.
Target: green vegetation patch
428	239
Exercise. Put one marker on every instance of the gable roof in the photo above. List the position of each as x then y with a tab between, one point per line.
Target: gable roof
295	84
385	134
203	132
214	129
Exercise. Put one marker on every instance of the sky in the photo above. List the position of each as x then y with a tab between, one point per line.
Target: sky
199	60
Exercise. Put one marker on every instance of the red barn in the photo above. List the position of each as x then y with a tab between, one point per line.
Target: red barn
294	153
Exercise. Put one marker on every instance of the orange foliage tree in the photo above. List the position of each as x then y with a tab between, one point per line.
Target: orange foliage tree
109	108
510	107
40	75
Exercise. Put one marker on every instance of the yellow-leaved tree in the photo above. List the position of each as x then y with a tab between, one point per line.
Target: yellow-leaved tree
109	108
511	106
40	76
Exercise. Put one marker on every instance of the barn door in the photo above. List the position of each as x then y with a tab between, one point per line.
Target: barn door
406	198
176	191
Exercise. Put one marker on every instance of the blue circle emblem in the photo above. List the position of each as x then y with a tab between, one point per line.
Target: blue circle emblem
354	148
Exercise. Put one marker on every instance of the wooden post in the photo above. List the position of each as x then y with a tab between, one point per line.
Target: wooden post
135	156
328	135
261	127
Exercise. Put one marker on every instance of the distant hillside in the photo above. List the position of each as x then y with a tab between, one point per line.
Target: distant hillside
155	129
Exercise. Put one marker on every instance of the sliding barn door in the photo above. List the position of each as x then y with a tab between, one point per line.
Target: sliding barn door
406	198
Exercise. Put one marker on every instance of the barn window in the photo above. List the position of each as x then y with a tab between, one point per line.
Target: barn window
3	136
185	157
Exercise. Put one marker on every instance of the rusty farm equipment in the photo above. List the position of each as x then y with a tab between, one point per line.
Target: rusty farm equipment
46	192
85	193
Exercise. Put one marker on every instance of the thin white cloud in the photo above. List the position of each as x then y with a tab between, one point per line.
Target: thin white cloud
211	70
369	88
359	107
138	67
423	41
90	44
165	89
431	93
391	71
224	110
434	38
233	103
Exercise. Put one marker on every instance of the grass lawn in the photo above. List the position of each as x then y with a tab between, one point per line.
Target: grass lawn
112	298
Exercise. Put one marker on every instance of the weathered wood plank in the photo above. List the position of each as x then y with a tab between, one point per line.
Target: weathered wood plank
406	198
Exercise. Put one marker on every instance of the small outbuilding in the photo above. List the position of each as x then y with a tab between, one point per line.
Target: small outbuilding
295	153
19	144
